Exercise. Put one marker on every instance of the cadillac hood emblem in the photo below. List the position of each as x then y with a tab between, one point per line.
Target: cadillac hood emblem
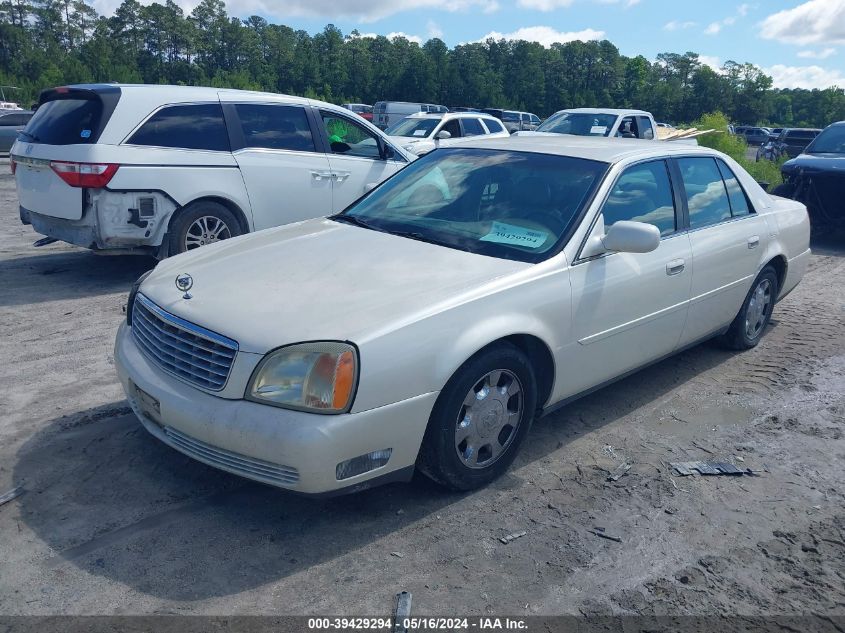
185	282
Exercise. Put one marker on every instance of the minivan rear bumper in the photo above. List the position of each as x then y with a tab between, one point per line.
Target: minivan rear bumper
77	232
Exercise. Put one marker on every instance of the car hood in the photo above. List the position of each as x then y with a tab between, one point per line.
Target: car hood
318	280
816	162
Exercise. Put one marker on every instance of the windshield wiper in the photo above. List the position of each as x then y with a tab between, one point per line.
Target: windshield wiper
354	220
30	136
414	235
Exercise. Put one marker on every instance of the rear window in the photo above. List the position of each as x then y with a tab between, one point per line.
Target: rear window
510	116
493	126
66	122
198	126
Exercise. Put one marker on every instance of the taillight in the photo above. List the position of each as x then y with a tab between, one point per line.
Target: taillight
87	175
12	165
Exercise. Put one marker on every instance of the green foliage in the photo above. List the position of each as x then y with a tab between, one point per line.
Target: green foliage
736	147
44	43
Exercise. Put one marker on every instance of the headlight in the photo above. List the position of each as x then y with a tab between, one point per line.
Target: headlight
319	377
132	292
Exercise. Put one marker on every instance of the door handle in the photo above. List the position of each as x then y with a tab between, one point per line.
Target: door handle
322	175
340	176
754	241
675	267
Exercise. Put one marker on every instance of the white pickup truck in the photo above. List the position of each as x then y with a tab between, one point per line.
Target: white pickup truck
610	122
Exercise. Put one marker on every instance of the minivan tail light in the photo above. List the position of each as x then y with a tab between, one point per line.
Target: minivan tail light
87	175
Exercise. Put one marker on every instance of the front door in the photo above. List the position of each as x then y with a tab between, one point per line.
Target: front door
355	159
629	308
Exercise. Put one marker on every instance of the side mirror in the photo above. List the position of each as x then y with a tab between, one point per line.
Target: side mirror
632	237
443	135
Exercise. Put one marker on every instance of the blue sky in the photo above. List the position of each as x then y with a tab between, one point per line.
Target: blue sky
799	43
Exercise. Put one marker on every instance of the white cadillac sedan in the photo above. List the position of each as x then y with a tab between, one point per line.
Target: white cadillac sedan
427	325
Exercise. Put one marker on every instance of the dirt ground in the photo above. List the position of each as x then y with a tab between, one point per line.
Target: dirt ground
114	522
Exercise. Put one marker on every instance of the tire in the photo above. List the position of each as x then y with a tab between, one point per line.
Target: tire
750	324
784	190
462	453
187	232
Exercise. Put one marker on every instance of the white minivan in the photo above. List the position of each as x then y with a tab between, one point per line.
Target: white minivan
160	170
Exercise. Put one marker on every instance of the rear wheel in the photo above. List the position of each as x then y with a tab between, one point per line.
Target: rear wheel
480	419
202	223
748	326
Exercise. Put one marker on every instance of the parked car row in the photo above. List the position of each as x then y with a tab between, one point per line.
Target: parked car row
789	142
430	307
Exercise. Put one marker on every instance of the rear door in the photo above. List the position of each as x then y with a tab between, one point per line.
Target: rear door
355	157
287	175
728	241
65	127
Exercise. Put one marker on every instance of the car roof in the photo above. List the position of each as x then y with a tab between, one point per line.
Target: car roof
606	150
616	111
450	115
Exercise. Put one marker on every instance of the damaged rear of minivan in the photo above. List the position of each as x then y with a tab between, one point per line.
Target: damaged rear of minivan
82	176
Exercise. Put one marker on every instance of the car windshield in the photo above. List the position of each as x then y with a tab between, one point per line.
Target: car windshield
506	204
830	141
419	128
579	123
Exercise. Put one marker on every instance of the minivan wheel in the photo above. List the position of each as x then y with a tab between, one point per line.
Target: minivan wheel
480	419
202	223
748	326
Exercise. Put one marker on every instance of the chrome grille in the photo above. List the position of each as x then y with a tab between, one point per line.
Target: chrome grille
233	462
190	352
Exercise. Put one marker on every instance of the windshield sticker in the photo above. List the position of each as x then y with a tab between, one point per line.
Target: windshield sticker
85	133
598	129
502	233
419	132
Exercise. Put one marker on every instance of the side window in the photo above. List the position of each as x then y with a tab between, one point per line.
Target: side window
185	127
736	196
535	119
628	128
646	131
453	127
643	193
472	127
350	139
493	125
707	198
275	127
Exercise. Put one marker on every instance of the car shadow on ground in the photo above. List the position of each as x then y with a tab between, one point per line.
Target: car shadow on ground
109	499
831	244
67	274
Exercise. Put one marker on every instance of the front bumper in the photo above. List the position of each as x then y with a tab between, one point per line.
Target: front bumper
290	449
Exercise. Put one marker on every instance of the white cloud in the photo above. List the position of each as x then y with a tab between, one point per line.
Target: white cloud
551	5
822	54
715	27
390	36
545	35
675	25
804	76
433	29
544	5
368	11
813	22
709	60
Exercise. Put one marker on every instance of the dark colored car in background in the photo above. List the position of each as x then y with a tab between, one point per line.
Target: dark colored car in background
793	141
12	122
755	135
817	178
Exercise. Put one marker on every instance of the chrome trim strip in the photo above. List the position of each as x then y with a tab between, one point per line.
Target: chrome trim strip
598	336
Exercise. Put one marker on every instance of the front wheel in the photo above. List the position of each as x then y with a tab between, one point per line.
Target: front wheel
480	419
202	223
748	326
